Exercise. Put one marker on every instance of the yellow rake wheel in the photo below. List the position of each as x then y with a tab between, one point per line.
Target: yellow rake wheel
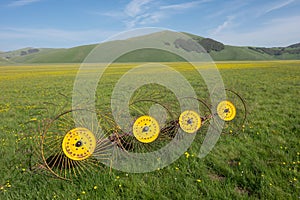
189	121
226	110
73	147
231	112
79	144
146	129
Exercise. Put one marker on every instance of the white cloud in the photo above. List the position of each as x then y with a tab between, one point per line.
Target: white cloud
223	26
50	37
144	19
148	12
152	18
277	32
269	7
182	6
136	7
228	8
22	3
113	14
278	6
248	27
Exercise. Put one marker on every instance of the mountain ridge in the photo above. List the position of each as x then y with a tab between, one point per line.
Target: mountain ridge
217	50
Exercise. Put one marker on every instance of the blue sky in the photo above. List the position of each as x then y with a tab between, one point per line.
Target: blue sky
69	23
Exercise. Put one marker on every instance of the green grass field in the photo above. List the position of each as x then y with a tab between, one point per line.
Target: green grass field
262	161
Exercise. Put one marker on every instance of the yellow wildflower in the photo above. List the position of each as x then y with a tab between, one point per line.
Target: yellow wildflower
187	155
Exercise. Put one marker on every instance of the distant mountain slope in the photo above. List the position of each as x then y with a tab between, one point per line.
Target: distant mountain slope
72	55
4	61
228	52
294	45
21	52
238	53
217	50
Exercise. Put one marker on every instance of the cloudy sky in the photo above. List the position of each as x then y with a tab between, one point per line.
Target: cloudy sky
69	23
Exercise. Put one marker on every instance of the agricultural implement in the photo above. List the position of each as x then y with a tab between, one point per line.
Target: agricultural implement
72	146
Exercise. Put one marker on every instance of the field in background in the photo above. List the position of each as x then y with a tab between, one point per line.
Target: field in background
262	161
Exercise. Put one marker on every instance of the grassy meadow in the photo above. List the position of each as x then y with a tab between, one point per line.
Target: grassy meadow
261	161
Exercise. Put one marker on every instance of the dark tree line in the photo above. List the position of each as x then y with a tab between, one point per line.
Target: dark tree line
29	51
211	45
207	43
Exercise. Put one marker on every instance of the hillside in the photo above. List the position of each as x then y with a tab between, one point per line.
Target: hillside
217	50
21	52
4	61
72	55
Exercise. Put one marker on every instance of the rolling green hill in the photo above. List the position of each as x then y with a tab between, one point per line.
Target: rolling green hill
217	50
4	61
72	55
21	52
235	53
238	53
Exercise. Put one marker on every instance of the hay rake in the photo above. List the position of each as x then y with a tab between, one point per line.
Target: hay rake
71	147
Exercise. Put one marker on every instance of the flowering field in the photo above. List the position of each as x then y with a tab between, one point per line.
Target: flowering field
261	161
